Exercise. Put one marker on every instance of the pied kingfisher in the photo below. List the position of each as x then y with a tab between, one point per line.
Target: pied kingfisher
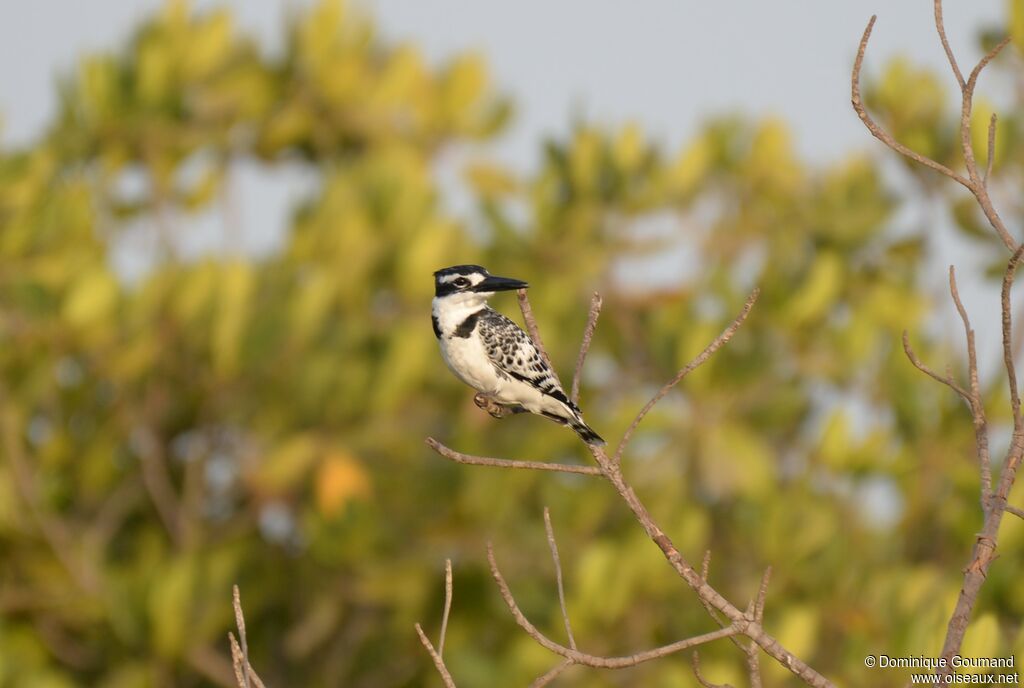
491	354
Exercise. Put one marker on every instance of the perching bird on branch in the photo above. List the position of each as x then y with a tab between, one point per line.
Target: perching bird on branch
491	354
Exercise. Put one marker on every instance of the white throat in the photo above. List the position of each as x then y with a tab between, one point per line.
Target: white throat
452	309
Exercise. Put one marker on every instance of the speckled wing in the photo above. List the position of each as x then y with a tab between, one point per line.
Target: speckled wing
513	353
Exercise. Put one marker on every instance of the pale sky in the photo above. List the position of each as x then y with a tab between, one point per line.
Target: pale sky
666	64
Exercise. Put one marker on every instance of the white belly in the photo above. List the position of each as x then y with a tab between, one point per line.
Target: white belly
467	358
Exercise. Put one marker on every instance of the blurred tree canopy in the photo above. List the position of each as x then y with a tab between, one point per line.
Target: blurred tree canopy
260	420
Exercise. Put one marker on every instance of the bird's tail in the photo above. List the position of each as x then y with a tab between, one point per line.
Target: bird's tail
571	416
584	431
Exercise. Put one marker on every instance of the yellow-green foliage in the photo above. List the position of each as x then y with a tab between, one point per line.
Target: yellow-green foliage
261	420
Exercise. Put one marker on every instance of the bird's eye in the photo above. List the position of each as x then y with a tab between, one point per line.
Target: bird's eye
461	282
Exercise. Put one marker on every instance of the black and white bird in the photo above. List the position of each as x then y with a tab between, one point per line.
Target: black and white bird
491	354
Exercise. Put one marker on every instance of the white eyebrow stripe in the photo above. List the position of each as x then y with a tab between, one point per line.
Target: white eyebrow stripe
447	279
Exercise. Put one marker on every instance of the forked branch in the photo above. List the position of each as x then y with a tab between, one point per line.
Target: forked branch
245	675
704	355
733	620
974	181
993	501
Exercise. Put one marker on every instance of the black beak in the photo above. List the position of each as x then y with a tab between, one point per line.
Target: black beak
493	283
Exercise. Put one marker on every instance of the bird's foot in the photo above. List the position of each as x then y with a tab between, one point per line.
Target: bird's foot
487	403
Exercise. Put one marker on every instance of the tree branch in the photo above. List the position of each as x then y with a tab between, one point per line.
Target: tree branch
447	606
588	335
704	355
531	327
558	576
947	380
469	459
877	131
553	674
695	661
1011	373
446	677
941	27
739	622
991	157
978	417
587	659
244	673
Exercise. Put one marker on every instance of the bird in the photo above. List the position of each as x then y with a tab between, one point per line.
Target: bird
491	353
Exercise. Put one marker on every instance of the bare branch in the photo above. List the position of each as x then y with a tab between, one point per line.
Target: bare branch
245	675
991	157
877	131
553	674
734	621
705	569
446	677
762	594
977	407
710	349
243	664
1011	373
1019	513
695	661
588	335
947	380
236	657
941	27
558	576
972	81
531	327
447	605
594	660
469	459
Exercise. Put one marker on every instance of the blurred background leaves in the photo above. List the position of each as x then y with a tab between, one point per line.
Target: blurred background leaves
259	419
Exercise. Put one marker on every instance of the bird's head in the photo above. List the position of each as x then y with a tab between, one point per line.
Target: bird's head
471	284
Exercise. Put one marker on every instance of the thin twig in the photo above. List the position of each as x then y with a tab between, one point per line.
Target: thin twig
972	81
877	131
236	658
977	406
531	327
705	569
742	622
558	576
1011	373
447	605
991	158
754	665
941	27
762	594
710	349
459	457
240	622
553	674
947	380
695	661
446	677
588	659
1019	513
588	335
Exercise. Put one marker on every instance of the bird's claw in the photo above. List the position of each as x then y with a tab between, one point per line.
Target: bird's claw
487	403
